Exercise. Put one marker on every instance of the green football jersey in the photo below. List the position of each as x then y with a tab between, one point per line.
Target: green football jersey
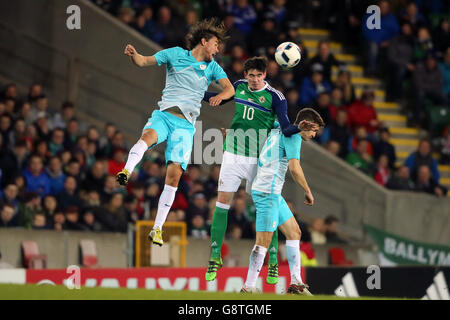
253	119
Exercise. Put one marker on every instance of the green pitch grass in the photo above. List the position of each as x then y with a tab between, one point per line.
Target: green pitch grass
49	292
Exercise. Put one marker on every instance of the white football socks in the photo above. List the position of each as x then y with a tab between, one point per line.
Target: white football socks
135	155
256	262
164	205
293	257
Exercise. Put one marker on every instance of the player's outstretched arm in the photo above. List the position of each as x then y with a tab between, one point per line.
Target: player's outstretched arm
299	177
138	59
227	92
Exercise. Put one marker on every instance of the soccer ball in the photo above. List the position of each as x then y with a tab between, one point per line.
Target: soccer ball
288	55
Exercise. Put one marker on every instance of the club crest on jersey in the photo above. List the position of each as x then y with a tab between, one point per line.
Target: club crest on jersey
262	99
203	66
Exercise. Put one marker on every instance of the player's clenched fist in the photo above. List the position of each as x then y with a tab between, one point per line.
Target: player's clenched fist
130	50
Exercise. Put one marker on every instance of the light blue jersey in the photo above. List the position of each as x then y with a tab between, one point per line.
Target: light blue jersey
274	159
186	80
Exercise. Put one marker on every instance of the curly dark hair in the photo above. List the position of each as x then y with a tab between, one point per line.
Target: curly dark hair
258	63
207	29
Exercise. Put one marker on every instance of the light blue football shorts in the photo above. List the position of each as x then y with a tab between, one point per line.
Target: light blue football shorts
178	132
271	211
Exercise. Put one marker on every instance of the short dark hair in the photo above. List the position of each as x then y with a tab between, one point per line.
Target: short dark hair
258	63
207	29
309	114
330	219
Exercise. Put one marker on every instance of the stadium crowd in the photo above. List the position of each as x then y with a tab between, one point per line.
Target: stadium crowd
57	172
411	52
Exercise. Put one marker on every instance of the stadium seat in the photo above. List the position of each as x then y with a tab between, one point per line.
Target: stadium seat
88	254
31	258
337	257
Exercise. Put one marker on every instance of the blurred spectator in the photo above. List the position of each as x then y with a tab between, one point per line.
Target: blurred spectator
7	216
126	15
36	178
71	134
110	187
42	126
363	113
331	226
106	140
441	37
313	86
333	147
25	113
198	206
59	221
401	180
426	183
166	33
34	92
39	221
336	102
130	204
445	70
112	216
423	44
382	172
18	132
93	199
89	223
10	92
28	208
361	159
12	163
378	39
236	70
137	190
5	129
117	162
422	157
39	107
238	215
198	227
56	175
264	38
69	195
338	131
323	106
400	55
72	218
50	206
445	143
61	118
361	133
325	58
235	232
152	193
95	177
9	195
412	16
273	74
278	9
317	231
292	99
212	182
244	16
236	37
383	146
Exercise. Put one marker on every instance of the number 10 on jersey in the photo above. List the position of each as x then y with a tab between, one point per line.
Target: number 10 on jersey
248	113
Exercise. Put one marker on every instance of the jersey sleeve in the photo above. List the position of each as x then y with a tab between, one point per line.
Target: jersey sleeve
279	104
218	72
292	146
166	55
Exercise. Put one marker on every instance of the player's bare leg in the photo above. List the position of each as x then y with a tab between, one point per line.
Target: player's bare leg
173	175
148	138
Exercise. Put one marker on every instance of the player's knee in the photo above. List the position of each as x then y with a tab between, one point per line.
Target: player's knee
149	137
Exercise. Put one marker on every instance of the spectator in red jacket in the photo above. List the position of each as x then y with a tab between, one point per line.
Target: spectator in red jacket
382	173
117	162
362	113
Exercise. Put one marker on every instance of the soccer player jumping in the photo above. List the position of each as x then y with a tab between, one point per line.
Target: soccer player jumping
258	105
278	154
189	73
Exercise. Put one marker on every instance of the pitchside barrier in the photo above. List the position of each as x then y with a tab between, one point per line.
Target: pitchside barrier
171	254
428	282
